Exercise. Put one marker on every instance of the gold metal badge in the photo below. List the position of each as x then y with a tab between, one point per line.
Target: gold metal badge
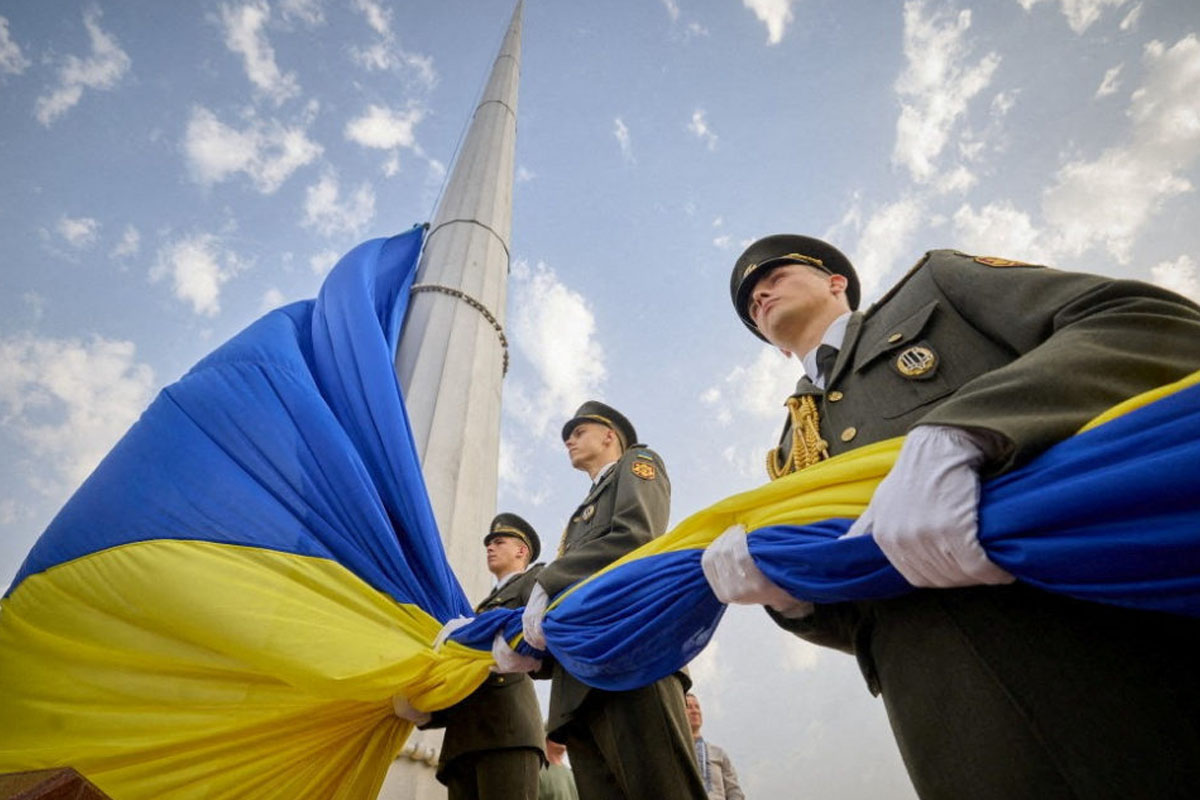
914	362
588	512
992	261
643	469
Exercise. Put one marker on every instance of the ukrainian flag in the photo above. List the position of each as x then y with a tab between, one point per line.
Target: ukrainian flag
1111	515
228	604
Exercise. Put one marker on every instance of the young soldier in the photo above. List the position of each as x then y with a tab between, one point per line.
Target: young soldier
633	744
993	689
493	743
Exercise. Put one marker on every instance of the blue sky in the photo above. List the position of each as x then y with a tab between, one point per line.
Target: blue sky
173	170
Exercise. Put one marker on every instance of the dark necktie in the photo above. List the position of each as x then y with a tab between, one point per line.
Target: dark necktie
826	358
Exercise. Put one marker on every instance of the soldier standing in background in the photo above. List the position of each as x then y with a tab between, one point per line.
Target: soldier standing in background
493	742
631	744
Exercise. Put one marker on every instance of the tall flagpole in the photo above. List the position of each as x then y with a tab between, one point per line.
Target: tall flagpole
453	353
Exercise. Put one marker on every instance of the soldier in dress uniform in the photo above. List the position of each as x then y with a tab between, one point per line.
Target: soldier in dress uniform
993	689
633	744
493	746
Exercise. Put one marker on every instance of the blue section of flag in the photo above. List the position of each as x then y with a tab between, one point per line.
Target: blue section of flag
293	437
1111	515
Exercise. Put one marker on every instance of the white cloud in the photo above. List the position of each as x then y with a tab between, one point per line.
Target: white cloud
1003	103
198	266
106	65
956	181
672	9
775	14
555	330
79	232
699	127
325	211
378	17
999	229
885	241
801	656
272	298
936	85
723	242
12	60
321	263
524	174
1110	84
1179	276
515	474
385	129
621	131
385	54
69	400
267	152
1131	19
758	389
307	11
1080	14
130	244
1105	202
244	35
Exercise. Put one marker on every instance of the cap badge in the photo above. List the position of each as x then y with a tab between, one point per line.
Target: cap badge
913	362
644	470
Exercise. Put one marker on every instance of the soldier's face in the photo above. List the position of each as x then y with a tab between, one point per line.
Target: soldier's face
505	554
588	442
792	298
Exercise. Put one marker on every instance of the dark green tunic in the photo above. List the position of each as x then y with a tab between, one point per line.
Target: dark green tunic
632	744
1002	692
501	715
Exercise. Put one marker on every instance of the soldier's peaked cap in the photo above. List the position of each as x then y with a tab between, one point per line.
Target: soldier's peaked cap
595	411
507	524
786	248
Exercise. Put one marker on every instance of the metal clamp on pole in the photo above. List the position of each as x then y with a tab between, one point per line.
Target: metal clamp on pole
473	303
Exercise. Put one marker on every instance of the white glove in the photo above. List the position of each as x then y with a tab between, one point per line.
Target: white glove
735	578
449	628
403	710
509	660
924	514
531	619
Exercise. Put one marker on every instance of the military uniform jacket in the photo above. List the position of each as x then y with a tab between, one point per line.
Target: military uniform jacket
503	712
625	509
1020	353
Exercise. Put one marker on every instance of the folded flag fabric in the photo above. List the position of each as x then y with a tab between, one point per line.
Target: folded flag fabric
227	605
1110	515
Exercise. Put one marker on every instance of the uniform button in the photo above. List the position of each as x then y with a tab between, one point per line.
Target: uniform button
834	396
849	433
500	679
895	337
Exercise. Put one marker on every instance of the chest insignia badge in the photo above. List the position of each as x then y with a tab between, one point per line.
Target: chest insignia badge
644	470
913	362
588	512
